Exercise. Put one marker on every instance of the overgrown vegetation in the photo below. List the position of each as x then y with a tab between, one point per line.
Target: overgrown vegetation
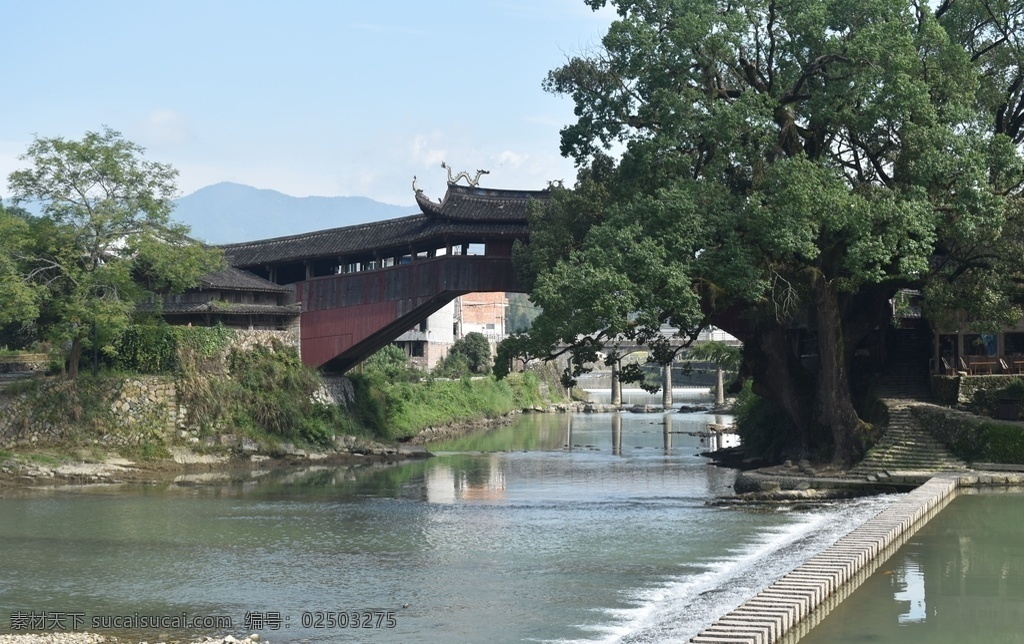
975	439
764	428
395	402
269	394
469	354
154	348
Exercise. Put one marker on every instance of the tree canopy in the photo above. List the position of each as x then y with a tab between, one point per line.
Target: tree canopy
105	240
780	168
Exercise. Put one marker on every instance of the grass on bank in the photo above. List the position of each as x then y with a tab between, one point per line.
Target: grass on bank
399	410
264	393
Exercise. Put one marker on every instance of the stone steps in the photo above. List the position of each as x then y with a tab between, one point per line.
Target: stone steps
906	445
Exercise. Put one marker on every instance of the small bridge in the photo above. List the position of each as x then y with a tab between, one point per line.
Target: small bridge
362	286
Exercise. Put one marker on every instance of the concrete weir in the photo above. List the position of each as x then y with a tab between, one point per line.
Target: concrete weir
785	611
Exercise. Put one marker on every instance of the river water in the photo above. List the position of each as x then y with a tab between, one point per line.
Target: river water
557	528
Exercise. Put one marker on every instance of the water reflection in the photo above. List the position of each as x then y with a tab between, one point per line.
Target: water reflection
959	579
617	434
477	480
910	590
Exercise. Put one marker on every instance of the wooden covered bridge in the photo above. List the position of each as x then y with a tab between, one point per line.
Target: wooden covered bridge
360	287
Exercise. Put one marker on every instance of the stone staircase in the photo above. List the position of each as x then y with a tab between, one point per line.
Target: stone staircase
906	446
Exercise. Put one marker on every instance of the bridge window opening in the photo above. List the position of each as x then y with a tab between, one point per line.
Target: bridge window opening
387	262
477	249
405	259
422	255
440	252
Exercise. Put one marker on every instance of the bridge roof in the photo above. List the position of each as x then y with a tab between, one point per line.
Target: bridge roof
465	212
232	279
473	203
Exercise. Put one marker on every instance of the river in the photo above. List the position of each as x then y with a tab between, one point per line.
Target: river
557	528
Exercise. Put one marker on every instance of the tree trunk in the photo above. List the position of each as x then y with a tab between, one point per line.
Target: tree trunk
74	357
834	408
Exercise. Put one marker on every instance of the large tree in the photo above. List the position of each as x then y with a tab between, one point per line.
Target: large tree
780	168
105	240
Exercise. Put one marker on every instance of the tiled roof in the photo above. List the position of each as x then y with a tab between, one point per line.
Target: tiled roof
383	235
233	279
472	203
182	308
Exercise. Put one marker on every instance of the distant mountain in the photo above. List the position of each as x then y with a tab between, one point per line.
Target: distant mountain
230	212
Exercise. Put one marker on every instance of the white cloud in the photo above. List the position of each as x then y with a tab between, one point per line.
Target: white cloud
163	127
425	151
512	159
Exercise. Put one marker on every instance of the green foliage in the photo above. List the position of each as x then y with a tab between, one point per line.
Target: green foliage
986	401
275	393
105	241
391	363
520	313
764	428
782	166
724	355
469	354
154	348
19	295
397	410
268	392
975	439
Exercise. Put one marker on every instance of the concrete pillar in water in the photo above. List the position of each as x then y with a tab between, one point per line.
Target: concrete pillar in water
616	434
616	384
666	422
720	386
666	386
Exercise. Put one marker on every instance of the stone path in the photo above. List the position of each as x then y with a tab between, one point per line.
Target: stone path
906	446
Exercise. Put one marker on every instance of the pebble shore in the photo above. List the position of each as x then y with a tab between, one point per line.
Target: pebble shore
95	638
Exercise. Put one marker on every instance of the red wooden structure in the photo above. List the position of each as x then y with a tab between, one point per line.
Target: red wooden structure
362	286
348	317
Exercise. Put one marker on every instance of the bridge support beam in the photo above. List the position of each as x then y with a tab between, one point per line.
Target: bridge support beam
616	383
347	317
666	386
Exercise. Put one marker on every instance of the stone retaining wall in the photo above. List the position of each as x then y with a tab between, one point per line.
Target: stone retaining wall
111	412
26	362
960	390
247	339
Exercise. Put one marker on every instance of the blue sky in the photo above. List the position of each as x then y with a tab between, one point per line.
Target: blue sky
308	97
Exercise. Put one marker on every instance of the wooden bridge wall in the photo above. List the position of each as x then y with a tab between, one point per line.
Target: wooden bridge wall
347	317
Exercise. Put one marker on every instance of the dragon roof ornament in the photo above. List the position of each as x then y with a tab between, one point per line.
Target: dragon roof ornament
474	182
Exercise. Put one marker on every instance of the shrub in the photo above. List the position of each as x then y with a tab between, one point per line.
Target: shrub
974	439
470	354
764	428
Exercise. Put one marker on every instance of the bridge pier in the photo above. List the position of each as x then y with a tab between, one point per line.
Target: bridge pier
616	384
666	422
666	386
616	434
